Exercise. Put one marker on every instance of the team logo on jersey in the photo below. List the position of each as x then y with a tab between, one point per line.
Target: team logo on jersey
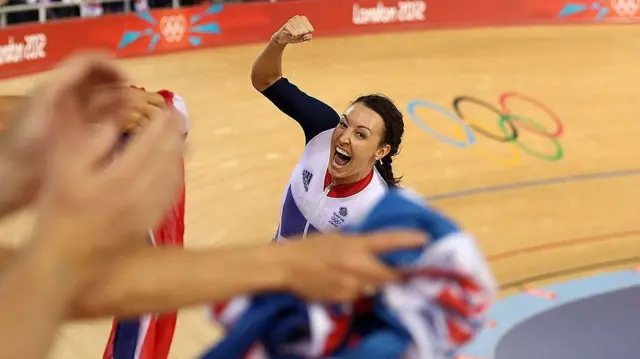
306	179
338	217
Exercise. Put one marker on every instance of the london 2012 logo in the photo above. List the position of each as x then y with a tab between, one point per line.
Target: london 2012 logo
601	9
173	28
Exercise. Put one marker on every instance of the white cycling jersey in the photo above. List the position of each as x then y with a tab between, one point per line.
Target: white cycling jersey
312	204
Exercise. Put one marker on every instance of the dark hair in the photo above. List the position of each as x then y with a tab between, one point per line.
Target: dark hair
393	130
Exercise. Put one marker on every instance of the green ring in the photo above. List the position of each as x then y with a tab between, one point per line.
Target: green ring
551	158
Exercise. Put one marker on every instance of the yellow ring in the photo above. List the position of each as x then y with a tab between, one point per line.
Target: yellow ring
510	161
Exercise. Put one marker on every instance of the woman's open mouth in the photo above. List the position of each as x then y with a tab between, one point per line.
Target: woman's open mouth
341	158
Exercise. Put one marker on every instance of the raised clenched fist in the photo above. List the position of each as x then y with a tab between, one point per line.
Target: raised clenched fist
295	30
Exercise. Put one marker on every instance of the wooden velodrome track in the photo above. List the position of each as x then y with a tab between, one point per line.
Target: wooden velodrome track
542	221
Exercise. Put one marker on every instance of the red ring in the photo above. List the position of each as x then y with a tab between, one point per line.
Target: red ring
559	126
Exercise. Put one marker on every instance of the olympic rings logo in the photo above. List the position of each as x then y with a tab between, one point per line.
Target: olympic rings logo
509	127
173	27
625	8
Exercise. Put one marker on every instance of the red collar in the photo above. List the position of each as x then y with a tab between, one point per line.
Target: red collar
346	190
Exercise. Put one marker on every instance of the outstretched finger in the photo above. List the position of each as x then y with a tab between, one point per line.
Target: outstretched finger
156	100
147	110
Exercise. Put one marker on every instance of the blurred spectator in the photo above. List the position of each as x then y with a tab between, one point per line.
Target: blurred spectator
18	17
64	12
21	16
88	8
117	7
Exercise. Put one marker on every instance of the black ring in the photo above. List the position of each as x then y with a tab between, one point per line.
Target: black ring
514	130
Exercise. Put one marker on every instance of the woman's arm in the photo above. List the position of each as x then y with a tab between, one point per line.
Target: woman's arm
313	115
267	68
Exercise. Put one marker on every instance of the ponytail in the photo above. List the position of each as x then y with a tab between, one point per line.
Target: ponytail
385	169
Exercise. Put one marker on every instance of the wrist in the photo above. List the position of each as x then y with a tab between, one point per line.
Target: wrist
277	42
58	245
271	263
52	263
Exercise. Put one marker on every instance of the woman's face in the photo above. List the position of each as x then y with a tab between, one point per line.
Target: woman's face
355	144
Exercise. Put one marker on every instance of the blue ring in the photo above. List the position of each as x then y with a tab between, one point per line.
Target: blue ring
471	139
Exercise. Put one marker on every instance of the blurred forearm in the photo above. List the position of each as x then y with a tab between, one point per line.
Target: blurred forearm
14	191
158	279
16	181
166	278
35	291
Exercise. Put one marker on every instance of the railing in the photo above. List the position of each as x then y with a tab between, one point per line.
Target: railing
42	8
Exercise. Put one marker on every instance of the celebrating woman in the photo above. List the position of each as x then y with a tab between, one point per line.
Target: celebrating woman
346	166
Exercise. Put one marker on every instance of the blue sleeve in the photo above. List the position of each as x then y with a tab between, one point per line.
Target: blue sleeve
313	115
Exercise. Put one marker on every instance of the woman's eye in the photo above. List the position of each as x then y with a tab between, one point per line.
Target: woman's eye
343	124
361	135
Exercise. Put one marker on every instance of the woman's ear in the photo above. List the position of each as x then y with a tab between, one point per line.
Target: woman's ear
382	152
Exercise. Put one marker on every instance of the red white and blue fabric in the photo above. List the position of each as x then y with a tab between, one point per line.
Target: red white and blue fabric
436	309
150	336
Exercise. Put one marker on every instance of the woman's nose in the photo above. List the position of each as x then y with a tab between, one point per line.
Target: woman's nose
344	138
